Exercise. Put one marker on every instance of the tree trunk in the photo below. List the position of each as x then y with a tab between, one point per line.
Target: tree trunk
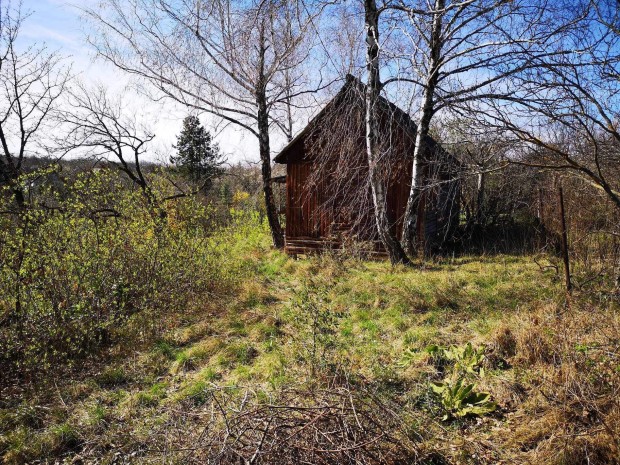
480	196
289	109
265	157
378	185
413	235
262	117
565	256
413	223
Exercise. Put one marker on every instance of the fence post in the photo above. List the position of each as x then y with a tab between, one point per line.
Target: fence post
565	257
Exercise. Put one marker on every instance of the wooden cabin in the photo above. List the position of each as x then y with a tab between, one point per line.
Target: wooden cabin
328	195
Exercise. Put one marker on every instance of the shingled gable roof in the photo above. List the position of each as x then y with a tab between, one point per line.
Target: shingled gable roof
352	83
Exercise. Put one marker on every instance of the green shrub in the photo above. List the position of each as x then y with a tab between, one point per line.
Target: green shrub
316	324
465	359
87	264
112	377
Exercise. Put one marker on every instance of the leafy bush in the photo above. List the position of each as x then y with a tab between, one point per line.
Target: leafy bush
465	359
86	263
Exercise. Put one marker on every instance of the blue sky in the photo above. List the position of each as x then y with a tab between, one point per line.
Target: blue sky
58	24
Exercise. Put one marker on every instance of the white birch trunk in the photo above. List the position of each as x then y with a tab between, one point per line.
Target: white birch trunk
415	212
378	185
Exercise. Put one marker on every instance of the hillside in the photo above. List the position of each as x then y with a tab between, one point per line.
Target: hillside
332	360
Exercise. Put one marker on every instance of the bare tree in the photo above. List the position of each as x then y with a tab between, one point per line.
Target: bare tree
482	154
566	116
235	60
32	80
100	126
449	56
460	53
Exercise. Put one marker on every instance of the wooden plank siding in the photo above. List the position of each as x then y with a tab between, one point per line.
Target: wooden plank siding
311	226
328	196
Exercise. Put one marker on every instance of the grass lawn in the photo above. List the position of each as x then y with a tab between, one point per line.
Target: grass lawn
303	333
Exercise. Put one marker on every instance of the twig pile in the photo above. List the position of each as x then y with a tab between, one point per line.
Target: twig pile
336	426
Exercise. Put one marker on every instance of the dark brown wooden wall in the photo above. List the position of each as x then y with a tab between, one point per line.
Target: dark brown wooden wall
303	217
311	225
320	212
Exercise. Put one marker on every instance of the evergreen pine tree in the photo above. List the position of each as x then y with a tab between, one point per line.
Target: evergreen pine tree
198	157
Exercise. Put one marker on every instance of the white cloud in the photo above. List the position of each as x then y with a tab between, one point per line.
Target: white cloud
41	33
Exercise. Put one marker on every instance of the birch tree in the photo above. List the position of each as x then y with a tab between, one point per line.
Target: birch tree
238	61
373	148
460	56
450	57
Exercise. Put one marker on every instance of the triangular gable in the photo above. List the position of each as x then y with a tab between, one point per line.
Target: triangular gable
397	115
314	122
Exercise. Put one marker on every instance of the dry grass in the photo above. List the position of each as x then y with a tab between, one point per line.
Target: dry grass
324	360
571	359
